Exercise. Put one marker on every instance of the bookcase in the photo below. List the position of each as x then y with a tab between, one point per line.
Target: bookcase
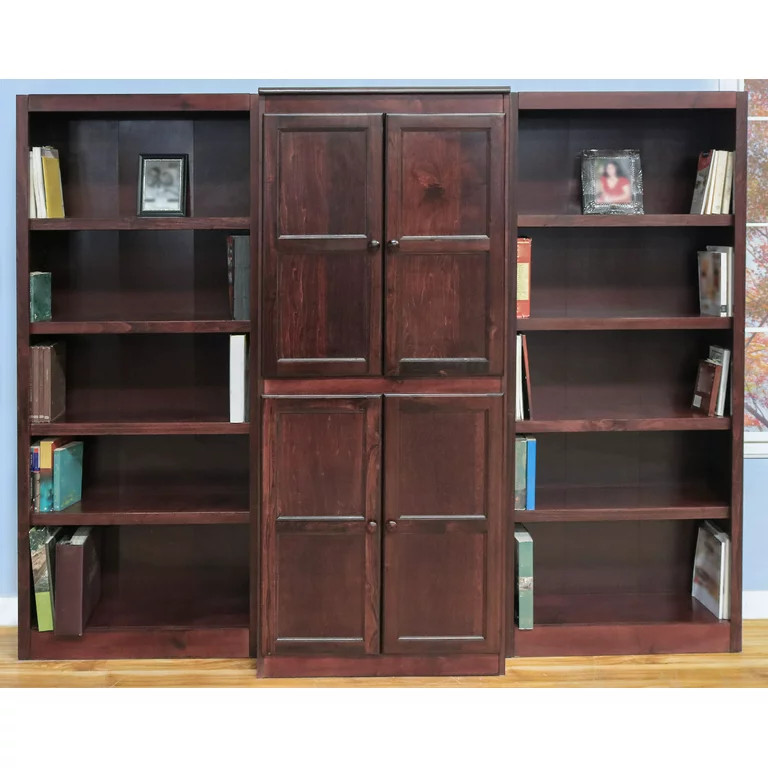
362	522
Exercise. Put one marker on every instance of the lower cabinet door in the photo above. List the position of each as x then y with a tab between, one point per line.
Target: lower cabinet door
442	524
321	528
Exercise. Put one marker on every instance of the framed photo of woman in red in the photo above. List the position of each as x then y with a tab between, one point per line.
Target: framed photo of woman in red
611	181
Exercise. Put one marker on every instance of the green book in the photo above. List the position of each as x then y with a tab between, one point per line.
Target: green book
42	548
39	296
67	475
521	461
523	577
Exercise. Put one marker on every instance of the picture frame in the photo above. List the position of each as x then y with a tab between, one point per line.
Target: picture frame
611	181
162	187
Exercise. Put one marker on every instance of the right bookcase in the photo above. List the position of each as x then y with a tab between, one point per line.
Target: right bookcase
626	470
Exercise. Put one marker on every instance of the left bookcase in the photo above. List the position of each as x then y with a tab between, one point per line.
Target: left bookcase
142	306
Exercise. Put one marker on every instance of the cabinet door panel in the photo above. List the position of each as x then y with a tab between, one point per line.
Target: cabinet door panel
322	210
445	274
442	556
320	525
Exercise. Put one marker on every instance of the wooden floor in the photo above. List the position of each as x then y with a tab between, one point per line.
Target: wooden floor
747	669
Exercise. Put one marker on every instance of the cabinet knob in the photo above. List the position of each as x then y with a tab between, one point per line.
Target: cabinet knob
373	245
371	526
394	243
391	525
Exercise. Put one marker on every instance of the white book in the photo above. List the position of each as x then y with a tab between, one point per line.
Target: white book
728	250
519	415
37	176
728	186
32	205
713	283
722	357
710	568
715	204
238	378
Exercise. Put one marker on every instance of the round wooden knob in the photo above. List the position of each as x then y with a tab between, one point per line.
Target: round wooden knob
391	525
371	526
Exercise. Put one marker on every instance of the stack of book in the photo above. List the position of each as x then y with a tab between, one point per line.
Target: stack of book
239	276
711	385
711	570
46	197
47	391
66	574
714	182
525	472
715	265
56	474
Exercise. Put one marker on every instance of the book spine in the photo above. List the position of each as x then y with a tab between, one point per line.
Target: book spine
523	277
526	380
231	274
39	296
69	590
41	579
702	181
237	389
724	284
719	183
67	475
521	452
530	473
58	383
242	255
54	194
31	184
523	578
37	175
728	188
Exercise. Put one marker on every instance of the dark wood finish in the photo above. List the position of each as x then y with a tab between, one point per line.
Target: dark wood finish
321	560
381	386
144	102
445	278
621	323
672	420
136	224
442	507
619	220
636	100
57	328
378	666
322	277
138	516
170	427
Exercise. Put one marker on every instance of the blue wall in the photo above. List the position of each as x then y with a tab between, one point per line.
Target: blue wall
755	525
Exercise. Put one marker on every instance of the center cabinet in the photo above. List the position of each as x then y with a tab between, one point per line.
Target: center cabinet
383	361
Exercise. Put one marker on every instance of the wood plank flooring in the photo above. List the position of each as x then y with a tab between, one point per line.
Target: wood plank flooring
747	669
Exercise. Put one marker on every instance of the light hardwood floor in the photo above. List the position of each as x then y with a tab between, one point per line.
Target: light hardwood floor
747	669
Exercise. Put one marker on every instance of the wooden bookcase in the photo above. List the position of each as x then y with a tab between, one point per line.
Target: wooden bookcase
379	456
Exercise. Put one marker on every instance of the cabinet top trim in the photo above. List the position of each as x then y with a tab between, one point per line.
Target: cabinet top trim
629	100
385	91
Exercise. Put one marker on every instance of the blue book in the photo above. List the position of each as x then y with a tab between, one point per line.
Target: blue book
67	475
530	475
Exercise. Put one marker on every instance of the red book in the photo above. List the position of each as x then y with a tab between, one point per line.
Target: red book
523	276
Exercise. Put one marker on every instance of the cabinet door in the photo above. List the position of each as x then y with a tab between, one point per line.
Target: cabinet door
322	261
445	244
442	532
320	525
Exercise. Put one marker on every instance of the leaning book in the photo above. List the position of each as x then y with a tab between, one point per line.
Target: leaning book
711	566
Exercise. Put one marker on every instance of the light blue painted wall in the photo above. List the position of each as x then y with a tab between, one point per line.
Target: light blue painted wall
755	524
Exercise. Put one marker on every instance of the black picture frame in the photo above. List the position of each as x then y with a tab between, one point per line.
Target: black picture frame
611	181
162	187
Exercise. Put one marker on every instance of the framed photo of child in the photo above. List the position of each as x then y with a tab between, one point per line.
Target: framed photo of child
611	181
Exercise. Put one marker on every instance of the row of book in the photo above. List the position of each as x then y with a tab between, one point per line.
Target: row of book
525	472
66	574
710	583
46	196
711	388
47	390
56	474
713	191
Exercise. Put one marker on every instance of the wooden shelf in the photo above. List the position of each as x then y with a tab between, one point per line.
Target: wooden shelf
619	323
141	223
681	421
620	220
592	503
193	427
61	327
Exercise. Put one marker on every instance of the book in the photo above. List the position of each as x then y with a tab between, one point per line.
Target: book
36	179
728	251
78	580
39	296
231	274
521	474
722	357
711	570
54	195
714	290
523	276
523	577
526	381
47	381
238	378
702	182
715	199
728	186
241	279
31	185
42	548
706	391
530	472
67	475
47	447
522	379
34	384
34	477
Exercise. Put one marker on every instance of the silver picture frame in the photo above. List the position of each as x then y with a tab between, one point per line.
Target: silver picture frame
162	185
611	181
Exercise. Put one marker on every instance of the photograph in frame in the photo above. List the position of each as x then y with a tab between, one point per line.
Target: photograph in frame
162	185
611	181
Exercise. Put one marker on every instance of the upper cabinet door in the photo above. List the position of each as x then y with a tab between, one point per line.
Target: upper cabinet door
322	254
445	244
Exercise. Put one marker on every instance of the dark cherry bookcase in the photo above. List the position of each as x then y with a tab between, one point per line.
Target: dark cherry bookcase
362	522
141	304
626	471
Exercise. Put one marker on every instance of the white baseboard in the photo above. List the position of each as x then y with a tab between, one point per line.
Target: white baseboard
754	604
9	611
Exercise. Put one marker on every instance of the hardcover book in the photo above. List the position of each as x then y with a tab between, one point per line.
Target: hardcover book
523	276
711	567
47	374
242	277
722	357
521	456
47	447
702	182
706	391
42	547
34	477
523	577
54	196
238	378
713	283
36	180
67	475
78	580
728	251
530	473
39	296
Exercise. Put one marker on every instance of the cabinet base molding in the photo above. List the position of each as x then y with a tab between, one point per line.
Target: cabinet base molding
378	666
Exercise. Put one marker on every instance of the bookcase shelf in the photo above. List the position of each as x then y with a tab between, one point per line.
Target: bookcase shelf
622	423
73	327
619	323
618	220
170	427
138	224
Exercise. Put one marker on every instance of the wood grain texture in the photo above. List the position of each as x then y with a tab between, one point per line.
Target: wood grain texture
618	220
384	386
621	100
63	327
127	427
691	670
621	323
165	102
410	102
134	223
